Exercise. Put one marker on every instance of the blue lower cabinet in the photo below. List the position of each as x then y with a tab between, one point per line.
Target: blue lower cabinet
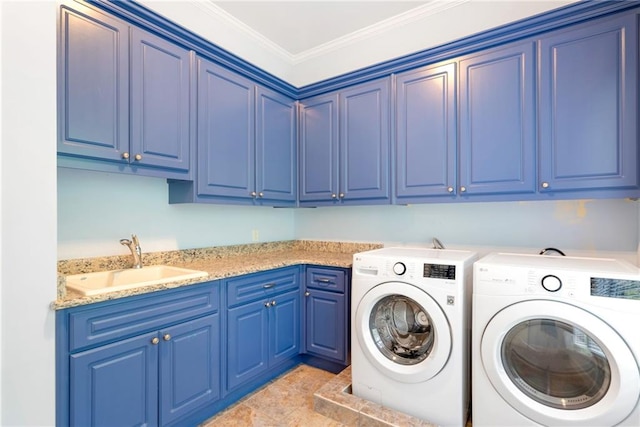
265	332
189	367
247	344
162	367
116	384
326	315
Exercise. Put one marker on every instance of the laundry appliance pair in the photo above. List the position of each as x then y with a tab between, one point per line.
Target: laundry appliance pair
553	340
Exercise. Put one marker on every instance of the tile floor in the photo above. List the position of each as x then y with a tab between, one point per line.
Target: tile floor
285	401
310	397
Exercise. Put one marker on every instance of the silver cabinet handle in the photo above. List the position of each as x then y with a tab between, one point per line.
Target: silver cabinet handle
307	293
267	304
261	194
155	340
333	195
125	155
323	280
545	185
166	337
138	157
273	303
342	195
253	194
463	189
450	189
268	285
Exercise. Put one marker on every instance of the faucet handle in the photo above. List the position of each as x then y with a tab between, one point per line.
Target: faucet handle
125	242
135	240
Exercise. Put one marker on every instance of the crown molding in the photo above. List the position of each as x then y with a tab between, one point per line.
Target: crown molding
432	8
218	13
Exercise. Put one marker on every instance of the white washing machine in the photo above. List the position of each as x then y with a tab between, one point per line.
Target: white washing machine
410	331
556	342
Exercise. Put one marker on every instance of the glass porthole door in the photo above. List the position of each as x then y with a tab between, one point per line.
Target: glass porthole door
401	329
403	332
556	363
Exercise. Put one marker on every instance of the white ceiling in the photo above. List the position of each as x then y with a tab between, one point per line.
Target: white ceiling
307	41
300	26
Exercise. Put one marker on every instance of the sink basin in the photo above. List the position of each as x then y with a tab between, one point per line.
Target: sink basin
117	280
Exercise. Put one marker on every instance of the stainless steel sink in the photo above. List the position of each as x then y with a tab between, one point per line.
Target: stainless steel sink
117	280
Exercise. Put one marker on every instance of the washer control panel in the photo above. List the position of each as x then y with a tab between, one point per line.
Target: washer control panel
399	268
551	283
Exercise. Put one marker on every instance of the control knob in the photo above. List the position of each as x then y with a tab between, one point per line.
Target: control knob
551	283
399	268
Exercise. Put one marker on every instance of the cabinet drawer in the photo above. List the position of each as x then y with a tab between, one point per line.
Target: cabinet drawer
326	278
115	320
252	287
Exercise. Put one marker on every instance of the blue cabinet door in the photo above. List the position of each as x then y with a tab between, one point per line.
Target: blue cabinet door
497	121
588	106
426	140
319	149
160	102
226	149
93	99
365	143
247	343
276	142
189	367
326	325
116	384
284	325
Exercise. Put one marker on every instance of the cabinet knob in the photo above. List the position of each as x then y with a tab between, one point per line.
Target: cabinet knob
254	194
545	185
307	293
333	196
155	340
463	189
267	304
125	155
138	157
261	194
450	189
166	337
342	195
273	303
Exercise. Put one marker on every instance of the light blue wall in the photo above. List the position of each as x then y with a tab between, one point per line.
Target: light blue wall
96	210
596	225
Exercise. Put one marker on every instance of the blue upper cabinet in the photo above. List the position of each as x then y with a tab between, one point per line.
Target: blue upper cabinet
124	98
93	100
497	121
345	144
365	143
160	102
226	132
588	107
276	175
426	140
246	139
319	149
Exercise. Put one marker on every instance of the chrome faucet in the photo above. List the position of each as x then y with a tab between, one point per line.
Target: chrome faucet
134	247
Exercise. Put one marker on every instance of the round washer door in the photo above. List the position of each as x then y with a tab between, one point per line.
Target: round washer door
403	332
556	363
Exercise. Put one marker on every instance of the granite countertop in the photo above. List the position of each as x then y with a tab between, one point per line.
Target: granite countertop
219	262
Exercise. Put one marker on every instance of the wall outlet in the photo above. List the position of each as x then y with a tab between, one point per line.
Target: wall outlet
255	235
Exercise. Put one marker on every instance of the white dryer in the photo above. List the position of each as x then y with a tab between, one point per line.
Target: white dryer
556	342
410	331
